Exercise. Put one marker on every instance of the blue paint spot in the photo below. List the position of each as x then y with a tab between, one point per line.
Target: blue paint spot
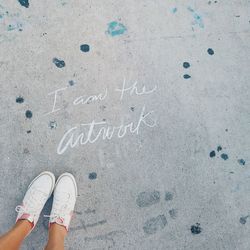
186	76
210	51
59	63
243	220
174	10
28	114
15	26
115	28
242	162
10	27
24	3
197	18
196	229
224	156
168	196
212	154
63	2
84	48
71	82
186	65
92	176
19	99
219	148
52	124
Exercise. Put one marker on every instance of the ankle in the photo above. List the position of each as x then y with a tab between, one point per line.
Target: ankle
25	225
54	246
57	234
57	231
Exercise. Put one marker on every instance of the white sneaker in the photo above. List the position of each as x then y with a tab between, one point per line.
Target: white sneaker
65	194
35	198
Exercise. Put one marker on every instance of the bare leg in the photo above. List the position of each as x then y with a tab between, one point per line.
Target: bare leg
14	238
57	234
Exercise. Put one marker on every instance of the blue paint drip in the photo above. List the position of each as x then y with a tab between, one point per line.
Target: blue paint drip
212	154
174	10
71	82
210	51
15	26
24	3
242	162
224	156
197	18
186	76
63	2
84	48
92	176
186	65
10	27
115	28
58	63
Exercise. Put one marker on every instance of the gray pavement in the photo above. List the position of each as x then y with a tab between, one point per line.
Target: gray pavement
146	103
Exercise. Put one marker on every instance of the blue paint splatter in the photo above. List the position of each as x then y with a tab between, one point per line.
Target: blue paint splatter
210	51
224	156
59	63
243	219
196	229
84	48
186	65
63	2
242	162
174	10
11	22
15	26
92	176
197	18
52	124
24	3
212	154
71	82
10	27
19	99
186	76
28	114
219	148
115	28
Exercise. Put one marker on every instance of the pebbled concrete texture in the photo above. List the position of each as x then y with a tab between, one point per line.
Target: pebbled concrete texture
163	164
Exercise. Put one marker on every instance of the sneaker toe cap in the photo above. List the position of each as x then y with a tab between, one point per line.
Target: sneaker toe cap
45	182
67	183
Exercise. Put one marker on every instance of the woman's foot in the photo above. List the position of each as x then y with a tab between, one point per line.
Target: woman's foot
39	190
65	194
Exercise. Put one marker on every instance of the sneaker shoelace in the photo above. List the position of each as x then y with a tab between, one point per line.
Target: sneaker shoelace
37	199
60	207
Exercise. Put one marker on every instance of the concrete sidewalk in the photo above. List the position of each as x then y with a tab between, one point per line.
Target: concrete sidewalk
146	103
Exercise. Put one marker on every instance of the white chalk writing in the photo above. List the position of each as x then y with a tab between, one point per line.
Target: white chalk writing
91	132
92	98
133	89
100	130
